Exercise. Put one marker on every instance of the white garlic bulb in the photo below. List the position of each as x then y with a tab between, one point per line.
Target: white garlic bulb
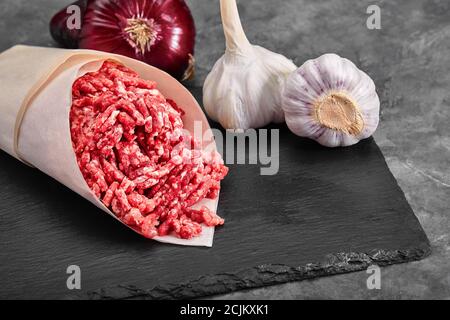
243	90
330	100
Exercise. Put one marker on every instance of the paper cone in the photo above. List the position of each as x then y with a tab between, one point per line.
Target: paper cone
35	102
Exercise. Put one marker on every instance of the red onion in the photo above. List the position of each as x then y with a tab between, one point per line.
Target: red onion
158	32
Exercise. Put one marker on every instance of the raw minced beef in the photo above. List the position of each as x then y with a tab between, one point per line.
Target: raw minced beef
137	159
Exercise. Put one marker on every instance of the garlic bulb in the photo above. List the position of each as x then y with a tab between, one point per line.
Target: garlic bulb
330	100
243	89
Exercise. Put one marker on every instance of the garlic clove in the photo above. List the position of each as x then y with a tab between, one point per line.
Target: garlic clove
330	100
243	89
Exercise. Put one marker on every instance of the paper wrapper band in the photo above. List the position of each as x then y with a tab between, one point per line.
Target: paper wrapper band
21	83
35	102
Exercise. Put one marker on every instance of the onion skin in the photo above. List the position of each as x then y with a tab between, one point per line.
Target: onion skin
158	32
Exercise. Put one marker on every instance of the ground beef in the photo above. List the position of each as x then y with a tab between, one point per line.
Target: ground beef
137	159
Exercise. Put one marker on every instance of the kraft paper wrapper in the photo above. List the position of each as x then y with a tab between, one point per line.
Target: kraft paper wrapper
35	102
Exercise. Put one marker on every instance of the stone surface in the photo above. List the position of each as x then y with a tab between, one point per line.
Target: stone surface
409	61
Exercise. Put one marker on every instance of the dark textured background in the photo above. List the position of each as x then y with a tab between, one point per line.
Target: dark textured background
409	60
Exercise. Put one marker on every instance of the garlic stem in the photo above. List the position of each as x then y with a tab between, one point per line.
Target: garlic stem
236	40
243	89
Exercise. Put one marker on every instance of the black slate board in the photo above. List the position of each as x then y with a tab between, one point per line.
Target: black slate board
328	211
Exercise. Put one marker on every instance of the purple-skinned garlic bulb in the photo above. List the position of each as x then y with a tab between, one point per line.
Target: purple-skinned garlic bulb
330	100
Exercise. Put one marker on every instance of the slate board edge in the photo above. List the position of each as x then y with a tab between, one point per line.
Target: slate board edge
264	275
